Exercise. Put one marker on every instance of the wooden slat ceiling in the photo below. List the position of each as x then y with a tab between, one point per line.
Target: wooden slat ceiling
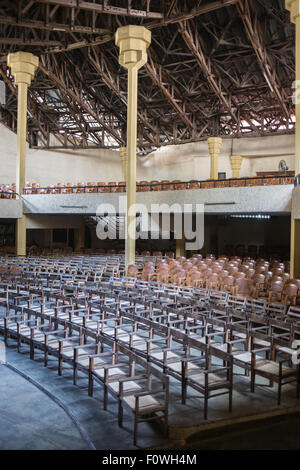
216	68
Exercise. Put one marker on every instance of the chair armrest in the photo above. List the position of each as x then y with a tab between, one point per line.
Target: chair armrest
53	332
134	378
147	392
255	351
115	366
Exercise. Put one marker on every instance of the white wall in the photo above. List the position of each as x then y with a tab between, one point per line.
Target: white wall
183	162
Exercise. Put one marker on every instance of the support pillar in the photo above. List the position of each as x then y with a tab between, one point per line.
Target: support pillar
79	238
123	155
133	42
294	7
236	163
214	146
295	248
180	247
23	66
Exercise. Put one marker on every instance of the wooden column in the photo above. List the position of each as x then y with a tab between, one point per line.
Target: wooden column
123	156
23	66
214	146
294	7
236	163
133	42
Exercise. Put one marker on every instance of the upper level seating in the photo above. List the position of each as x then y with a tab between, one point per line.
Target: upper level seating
7	191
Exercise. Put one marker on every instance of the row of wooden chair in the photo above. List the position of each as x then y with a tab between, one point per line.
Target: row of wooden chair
226	325
8	191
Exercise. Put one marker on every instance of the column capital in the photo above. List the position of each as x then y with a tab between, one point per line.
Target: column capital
214	144
236	163
236	160
23	66
133	42
294	8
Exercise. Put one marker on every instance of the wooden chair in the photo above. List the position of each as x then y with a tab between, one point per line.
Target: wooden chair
178	185
121	187
194	185
101	187
112	186
91	187
143	186
273	371
155	186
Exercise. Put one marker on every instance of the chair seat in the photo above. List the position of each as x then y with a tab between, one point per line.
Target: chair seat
213	379
146	403
113	372
127	386
243	357
272	368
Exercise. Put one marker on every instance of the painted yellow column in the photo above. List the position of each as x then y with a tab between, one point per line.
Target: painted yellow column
23	66
214	147
133	42
295	248
123	155
294	7
236	163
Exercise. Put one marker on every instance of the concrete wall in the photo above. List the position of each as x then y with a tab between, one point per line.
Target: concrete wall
255	199
183	162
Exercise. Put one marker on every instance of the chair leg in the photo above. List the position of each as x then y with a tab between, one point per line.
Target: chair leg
166	426
31	351
230	400
120	414
135	429
105	397
75	374
90	385
279	394
46	358
183	392
252	381
60	365
205	405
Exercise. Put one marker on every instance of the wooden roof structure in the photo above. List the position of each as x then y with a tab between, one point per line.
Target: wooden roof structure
215	68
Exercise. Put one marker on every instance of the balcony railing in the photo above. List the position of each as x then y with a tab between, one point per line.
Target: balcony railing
8	192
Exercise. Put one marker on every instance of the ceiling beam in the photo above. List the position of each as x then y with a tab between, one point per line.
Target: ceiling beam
51	26
206	8
60	83
156	73
100	63
103	8
267	69
192	39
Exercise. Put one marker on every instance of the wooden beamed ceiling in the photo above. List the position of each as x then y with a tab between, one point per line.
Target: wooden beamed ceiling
215	68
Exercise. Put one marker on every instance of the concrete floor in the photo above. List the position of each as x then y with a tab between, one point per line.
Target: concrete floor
28	416
29	419
281	435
